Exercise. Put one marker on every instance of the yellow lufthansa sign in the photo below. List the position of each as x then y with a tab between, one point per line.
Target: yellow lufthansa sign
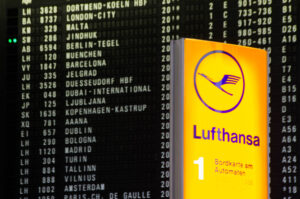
224	137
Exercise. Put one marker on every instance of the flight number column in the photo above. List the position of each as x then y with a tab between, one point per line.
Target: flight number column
169	31
47	91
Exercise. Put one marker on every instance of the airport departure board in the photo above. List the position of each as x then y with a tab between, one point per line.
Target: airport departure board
86	89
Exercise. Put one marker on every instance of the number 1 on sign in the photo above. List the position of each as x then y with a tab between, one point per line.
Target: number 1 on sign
200	163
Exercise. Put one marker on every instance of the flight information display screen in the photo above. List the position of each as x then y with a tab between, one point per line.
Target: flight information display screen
86	89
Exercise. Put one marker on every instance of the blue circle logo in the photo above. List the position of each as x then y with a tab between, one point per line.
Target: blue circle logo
219	81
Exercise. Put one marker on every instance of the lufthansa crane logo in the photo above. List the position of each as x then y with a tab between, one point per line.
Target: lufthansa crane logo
219	81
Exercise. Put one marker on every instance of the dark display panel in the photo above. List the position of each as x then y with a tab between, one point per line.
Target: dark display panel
87	90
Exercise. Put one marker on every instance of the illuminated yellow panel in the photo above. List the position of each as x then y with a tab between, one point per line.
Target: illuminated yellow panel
225	143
